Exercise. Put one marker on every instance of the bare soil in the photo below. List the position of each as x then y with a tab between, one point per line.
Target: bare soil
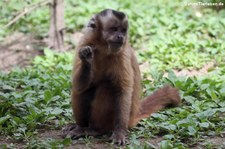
103	141
18	50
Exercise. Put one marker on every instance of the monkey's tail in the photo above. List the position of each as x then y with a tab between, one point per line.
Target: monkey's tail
164	97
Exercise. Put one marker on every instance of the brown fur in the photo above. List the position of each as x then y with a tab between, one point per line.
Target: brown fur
106	95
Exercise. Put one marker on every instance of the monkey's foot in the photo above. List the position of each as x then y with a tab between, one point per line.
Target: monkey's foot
119	137
67	129
75	131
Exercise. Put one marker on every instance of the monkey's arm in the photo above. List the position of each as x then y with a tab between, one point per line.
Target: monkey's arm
83	69
123	104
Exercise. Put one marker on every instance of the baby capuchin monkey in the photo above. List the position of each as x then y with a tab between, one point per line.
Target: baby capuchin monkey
106	82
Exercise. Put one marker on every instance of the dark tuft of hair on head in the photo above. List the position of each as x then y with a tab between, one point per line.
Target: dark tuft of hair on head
104	12
118	14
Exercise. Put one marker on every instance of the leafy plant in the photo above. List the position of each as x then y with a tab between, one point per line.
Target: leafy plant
167	35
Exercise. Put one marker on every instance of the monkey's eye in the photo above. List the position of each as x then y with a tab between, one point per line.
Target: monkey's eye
113	29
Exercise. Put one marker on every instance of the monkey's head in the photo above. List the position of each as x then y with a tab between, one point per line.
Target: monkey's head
112	28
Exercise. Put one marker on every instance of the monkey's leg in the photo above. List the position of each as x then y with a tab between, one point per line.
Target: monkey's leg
101	114
81	104
103	109
110	112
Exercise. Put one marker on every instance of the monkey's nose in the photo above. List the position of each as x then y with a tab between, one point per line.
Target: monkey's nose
120	37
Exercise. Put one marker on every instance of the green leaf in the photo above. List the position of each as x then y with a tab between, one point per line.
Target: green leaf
204	125
222	91
7	87
3	119
166	144
49	54
191	130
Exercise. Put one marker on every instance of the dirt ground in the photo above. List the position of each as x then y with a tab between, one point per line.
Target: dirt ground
18	50
101	142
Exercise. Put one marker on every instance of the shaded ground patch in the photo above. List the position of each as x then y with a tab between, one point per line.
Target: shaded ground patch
18	50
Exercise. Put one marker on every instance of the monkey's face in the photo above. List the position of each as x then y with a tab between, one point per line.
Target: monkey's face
114	29
115	34
110	28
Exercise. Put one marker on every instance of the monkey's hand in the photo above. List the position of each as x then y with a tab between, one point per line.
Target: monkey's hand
87	53
119	137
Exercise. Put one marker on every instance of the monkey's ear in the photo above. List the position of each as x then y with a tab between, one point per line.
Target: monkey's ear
92	23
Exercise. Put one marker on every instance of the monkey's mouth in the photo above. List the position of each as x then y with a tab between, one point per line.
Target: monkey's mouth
115	45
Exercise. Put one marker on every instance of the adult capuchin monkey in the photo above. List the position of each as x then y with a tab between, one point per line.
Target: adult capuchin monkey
107	83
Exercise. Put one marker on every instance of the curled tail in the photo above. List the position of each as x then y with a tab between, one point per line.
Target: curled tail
164	97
